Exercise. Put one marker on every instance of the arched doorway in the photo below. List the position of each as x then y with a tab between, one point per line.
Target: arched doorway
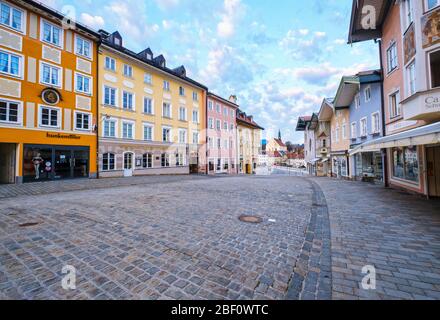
128	164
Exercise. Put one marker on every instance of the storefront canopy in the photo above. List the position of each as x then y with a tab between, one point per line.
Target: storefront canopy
420	136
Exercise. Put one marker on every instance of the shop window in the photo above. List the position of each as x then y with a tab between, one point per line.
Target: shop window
406	164
147	160
434	59
37	164
165	160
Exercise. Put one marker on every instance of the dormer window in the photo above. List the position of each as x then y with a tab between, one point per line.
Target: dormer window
117	41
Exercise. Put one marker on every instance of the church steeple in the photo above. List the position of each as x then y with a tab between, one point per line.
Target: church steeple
279	134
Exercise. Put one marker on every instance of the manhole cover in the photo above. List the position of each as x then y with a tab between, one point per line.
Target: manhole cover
28	224
250	219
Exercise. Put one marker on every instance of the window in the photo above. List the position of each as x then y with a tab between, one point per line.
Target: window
182	136
411	72
148	132
225	112
232	113
147	161
225	144
406	163
148	106
166	134
182	114
51	34
128	71
128	160
127	101
211	123
49	117
182	91
195	139
336	138
375	120
324	143
395	105
127	130
83	84
148	78
354	130
433	3
180	160
165	160
344	131
195	116
211	143
363	126
219	125
218	108
210	105
225	126
367	94
11	17
9	111
110	96
195	96
51	75
82	121
357	102
166	85
109	128
108	162
392	60
110	64
219	143
219	164
434	60
166	110
231	144
83	47
409	13
10	64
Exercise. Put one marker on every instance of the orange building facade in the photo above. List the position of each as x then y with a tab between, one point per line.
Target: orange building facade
48	107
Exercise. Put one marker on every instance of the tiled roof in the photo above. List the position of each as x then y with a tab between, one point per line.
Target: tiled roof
244	119
280	142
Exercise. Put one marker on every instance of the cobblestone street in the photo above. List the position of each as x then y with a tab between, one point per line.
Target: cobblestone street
181	238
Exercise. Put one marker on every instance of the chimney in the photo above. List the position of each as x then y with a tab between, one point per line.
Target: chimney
233	99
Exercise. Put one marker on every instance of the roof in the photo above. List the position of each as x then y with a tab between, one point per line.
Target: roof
155	63
280	142
357	31
302	123
215	96
326	111
43	7
244	119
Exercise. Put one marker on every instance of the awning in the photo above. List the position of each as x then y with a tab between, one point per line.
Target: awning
429	134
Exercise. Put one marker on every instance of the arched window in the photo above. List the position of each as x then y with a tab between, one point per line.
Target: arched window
108	162
128	161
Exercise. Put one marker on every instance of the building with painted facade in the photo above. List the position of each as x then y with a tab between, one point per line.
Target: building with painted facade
249	135
410	59
152	119
365	91
222	135
304	125
48	85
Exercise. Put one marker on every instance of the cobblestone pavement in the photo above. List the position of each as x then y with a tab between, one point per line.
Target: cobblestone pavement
180	238
397	233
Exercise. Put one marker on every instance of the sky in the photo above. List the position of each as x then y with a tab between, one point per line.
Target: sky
281	58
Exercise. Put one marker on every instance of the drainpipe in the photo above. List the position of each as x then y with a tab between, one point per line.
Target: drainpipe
97	107
384	153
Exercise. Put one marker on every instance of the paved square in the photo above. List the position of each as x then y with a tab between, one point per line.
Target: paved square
180	238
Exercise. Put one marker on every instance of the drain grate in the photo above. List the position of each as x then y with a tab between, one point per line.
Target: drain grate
250	219
28	224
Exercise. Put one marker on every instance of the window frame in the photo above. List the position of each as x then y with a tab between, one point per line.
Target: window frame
152	106
90	56
133	129
411	78
170	135
109	169
375	130
151	126
185	113
185	140
110	120
52	66
19	112
111	60
354	130
125	68
390	105
197	113
23	21
79	74
116	96
427	5
148	76
392	48
367	96
166	86
52	25
133	100
75	121
40	117
146	157
171	110
20	64
363	133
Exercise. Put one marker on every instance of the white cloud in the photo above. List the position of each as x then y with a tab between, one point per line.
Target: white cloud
167	4
96	22
232	11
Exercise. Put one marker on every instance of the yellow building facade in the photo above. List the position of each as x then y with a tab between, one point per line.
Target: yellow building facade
152	119
48	110
249	135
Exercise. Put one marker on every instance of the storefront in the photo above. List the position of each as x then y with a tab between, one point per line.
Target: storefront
45	162
340	166
367	166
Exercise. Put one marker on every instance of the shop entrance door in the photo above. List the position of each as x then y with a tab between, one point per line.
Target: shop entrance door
63	164
7	163
80	164
433	166
128	164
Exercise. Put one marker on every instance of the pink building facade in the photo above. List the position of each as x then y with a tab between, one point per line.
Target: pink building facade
222	135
